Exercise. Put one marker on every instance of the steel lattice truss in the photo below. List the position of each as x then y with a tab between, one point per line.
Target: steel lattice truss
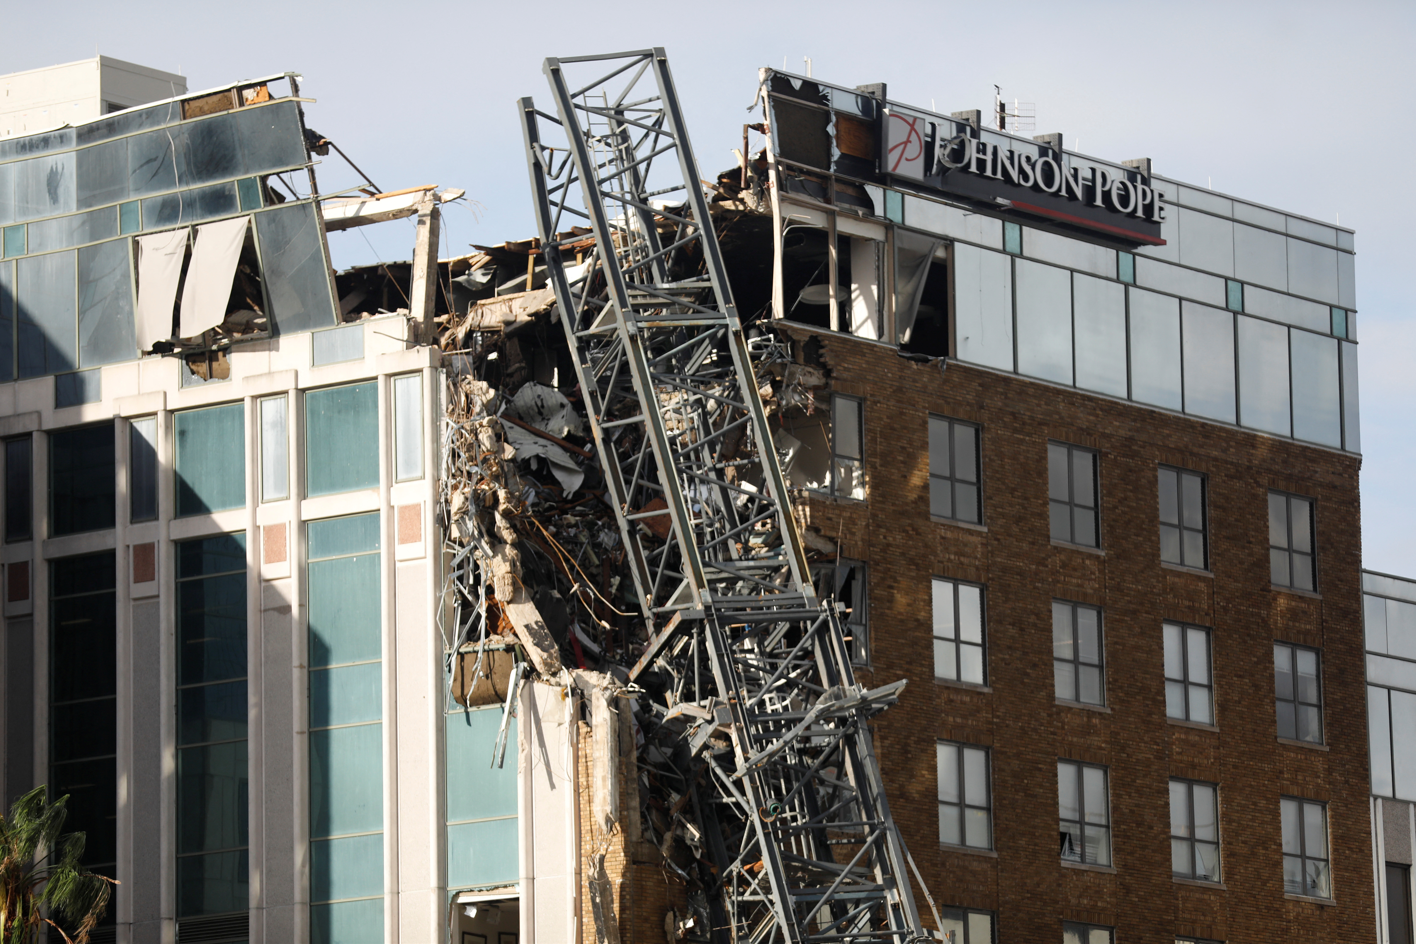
759	740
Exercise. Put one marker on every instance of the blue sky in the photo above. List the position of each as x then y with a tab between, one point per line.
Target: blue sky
1301	106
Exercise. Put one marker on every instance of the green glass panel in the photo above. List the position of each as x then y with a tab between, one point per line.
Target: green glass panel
81	483
348	922
351	867
1012	238
895	206
130	217
339	537
344	612
346	780
210	459
217	883
1234	295
482	853
342	439
1126	267
249	191
212	797
1339	322
15	240
348	694
475	789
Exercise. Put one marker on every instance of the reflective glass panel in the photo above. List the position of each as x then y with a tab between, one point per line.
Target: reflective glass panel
1099	316
1155	349
983	301
1317	403
1208	346
342	439
296	273
210	459
1044	321
106	330
1263	376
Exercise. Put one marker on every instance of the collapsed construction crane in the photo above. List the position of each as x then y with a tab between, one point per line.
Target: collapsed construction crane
753	722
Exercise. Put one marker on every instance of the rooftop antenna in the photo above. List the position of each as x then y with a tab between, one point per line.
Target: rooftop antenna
1022	114
807	59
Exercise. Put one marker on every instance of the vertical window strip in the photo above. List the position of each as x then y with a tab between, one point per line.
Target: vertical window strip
1292	541
959	634
1083	813
1072	494
19	489
1306	869
1184	524
408	427
275	449
965	803
345	623
847	446
1077	653
1189	683
213	855
142	469
481	798
954	470
1298	691
1194	830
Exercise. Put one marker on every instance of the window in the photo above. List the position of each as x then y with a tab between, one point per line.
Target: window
1076	933
1339	322
1291	559
954	470
408	427
958	632
1072	494
967	926
1398	903
275	450
196	278
847	425
846	582
1184	527
81	488
1298	688
1077	653
212	770
1234	295
19	494
142	469
1012	238
1305	852
1083	811
965	807
1194	830
342	439
1126	267
1189	692
210	459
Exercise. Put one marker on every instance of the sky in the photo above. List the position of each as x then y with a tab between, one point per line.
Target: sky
1299	106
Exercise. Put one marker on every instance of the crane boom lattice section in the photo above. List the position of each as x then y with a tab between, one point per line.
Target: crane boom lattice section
755	727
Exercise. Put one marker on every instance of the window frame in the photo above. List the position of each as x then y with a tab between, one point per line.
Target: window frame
1084	929
950	478
1076	661
1184	680
1180	508
1191	841
962	916
1071	501
1302	856
957	639
858	618
838	458
136	425
963	806
1289	550
1297	701
1083	826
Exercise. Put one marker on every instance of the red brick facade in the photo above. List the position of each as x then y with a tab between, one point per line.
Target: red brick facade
1017	715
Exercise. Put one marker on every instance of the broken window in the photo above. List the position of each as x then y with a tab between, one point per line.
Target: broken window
921	294
825	453
199	286
806	275
845	581
858	267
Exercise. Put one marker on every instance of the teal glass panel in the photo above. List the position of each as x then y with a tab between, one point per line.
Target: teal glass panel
248	189
351	867
1339	322
1234	294
345	615
294	267
130	217
215	712
348	694
106	330
102	173
1012	238
342	439
895	206
482	853
212	797
216	883
346	780
1126	267
14	240
211	629
475	789
81	480
339	537
205	557
210	459
348	922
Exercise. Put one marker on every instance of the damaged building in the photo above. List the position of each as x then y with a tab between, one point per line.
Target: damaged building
750	557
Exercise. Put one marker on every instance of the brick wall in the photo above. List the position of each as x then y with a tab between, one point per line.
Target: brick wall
1017	716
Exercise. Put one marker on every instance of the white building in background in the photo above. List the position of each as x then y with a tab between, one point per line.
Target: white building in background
41	99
